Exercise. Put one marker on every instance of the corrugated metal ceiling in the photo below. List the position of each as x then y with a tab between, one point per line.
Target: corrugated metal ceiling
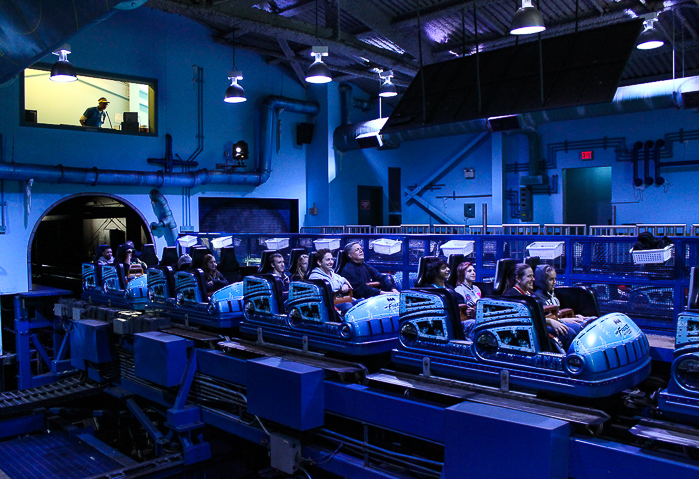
364	35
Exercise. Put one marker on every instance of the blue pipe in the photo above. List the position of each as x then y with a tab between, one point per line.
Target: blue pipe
160	179
167	220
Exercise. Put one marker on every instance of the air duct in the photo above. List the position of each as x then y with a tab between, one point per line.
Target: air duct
95	176
628	99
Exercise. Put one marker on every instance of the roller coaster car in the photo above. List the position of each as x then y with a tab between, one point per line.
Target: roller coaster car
681	398
368	328
609	355
109	284
183	297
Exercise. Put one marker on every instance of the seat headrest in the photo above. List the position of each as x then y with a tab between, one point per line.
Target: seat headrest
424	263
503	269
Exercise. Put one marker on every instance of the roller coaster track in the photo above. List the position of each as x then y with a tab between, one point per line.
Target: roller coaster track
50	394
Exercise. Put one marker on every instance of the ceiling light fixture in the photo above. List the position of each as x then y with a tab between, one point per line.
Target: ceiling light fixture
319	72
387	89
62	71
527	20
235	92
650	38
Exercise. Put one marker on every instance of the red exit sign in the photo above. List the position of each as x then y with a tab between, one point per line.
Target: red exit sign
587	155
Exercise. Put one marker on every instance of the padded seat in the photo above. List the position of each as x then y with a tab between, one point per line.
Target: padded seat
454	261
169	256
533	261
277	289
503	269
197	253
229	266
311	264
265	267
328	298
693	299
340	261
148	255
294	256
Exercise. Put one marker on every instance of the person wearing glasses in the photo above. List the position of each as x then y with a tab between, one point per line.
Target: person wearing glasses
359	274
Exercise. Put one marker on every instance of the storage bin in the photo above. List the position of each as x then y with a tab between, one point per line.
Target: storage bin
386	246
219	243
652	256
331	243
458	247
546	249
187	241
277	243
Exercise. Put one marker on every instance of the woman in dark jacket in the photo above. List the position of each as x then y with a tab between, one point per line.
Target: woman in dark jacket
214	279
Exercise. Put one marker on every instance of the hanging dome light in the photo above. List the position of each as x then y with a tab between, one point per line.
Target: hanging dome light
650	38
387	89
527	20
319	72
235	92
62	71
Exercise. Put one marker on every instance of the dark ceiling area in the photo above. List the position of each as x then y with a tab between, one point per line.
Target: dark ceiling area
366	35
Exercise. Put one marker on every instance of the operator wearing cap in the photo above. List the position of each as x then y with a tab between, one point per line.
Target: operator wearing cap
94	116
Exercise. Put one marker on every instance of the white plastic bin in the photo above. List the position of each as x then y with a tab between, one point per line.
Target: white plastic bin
458	247
331	243
277	243
546	249
652	256
219	243
187	241
386	246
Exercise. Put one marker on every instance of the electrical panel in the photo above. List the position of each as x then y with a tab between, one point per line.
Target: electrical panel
283	451
469	210
525	203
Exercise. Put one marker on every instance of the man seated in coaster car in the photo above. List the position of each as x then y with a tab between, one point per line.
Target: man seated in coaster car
214	279
342	289
359	274
521	283
278	269
545	283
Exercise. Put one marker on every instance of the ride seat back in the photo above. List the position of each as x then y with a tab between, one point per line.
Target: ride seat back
265	266
311	264
328	297
693	300
341	260
169	256
454	261
539	322
533	262
451	301
190	286
422	266
148	255
277	289
197	253
229	266
580	299
503	269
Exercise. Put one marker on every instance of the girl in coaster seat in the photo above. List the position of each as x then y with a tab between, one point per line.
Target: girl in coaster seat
545	282
213	277
521	283
324	270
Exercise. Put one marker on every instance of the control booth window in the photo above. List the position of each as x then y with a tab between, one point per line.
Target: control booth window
96	101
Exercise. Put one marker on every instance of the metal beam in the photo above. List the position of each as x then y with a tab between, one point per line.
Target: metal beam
375	19
265	23
289	53
298	7
431	210
441	10
448	165
277	58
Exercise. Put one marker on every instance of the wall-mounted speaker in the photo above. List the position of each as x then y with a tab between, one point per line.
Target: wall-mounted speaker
304	133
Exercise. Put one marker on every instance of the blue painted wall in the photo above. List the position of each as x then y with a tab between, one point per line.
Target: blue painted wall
152	44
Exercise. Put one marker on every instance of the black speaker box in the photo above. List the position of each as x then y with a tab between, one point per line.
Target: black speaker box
304	133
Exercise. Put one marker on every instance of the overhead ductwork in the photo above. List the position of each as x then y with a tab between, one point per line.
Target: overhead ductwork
96	176
628	99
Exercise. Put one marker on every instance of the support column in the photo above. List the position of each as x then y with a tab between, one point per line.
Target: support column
318	160
496	214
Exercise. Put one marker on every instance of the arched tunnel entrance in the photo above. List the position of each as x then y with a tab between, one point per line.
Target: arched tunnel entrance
70	231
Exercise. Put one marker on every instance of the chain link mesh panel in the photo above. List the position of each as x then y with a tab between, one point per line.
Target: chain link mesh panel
614	258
